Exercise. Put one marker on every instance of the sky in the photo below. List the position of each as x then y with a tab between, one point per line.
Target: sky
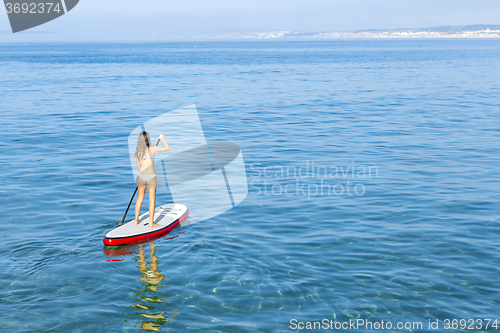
167	19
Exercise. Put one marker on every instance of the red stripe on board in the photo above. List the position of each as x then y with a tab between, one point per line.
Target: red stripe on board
129	240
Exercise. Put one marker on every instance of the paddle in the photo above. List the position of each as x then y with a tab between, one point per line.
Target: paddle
132	199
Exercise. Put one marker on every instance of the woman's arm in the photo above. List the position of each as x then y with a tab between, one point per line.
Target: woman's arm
158	149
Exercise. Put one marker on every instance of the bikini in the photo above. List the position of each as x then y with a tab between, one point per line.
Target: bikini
147	177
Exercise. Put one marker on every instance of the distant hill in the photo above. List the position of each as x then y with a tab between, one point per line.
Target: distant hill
464	31
450	29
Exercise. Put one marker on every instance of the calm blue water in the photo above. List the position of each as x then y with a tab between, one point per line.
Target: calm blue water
411	236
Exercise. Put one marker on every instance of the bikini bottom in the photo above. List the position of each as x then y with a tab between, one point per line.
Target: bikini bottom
148	180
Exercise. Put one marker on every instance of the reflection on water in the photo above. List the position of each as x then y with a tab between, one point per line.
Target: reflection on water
148	299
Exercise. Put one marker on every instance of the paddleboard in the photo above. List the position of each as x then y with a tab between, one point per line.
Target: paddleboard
167	216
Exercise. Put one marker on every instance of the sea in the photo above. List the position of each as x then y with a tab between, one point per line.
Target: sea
373	182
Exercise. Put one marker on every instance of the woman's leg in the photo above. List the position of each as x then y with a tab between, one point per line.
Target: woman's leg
152	198
138	203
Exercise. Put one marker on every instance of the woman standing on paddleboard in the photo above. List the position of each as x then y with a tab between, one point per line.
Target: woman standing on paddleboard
144	156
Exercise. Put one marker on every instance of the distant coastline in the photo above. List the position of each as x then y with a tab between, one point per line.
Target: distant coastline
469	31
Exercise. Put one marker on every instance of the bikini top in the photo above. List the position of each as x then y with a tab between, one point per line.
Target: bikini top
147	158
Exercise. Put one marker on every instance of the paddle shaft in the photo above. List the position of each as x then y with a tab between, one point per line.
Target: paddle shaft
132	199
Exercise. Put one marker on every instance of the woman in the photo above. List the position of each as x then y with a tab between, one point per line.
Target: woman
144	156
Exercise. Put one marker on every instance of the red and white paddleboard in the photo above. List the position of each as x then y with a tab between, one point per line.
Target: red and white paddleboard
167	216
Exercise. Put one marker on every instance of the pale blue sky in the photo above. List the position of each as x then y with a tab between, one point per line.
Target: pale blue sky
164	19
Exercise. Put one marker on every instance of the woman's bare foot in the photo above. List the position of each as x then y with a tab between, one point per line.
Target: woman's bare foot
137	221
154	225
